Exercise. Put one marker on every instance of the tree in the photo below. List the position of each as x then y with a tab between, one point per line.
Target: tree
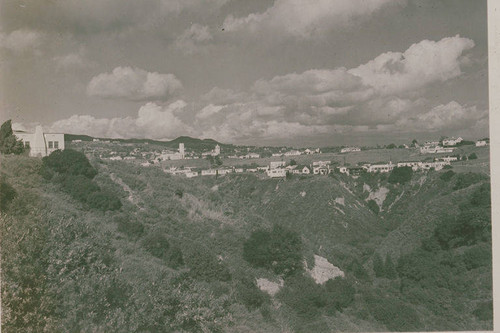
7	194
391	146
293	162
70	162
400	175
8	141
473	156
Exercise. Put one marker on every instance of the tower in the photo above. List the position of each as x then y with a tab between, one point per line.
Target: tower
217	150
181	150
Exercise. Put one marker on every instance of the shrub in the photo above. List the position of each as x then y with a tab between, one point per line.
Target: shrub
484	311
340	292
174	257
303	295
204	265
372	205
447	167
7	194
104	201
130	227
279	249
70	162
79	187
446	176
389	269
478	256
394	314
378	266
465	180
157	244
472	156
249	294
400	175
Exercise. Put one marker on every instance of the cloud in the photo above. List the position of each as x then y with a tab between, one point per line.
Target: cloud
301	18
445	117
192	40
21	41
421	64
152	121
209	110
133	84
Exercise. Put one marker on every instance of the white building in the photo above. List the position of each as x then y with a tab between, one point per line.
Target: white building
435	150
321	170
381	167
452	141
276	173
209	172
276	164
214	152
344	169
116	158
481	143
41	144
191	174
321	163
292	153
350	149
449	159
305	170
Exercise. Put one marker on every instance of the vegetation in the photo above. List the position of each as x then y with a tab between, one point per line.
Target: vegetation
400	175
279	249
8	141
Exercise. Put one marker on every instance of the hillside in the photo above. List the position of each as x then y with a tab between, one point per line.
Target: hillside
180	254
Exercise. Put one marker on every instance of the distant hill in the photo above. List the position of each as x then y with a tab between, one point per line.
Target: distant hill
192	143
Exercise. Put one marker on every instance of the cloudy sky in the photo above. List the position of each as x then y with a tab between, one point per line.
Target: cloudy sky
298	72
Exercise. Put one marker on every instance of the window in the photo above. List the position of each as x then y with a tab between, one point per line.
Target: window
26	144
56	144
51	144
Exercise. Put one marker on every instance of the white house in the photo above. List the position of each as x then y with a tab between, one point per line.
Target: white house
449	159
435	150
321	170
350	149
344	169
209	172
381	167
481	143
238	170
116	158
305	170
39	143
292	153
452	141
276	164
276	173
191	174
321	163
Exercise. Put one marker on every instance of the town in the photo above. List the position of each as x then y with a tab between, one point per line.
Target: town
270	162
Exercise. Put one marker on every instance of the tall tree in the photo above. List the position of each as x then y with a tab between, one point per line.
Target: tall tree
8	141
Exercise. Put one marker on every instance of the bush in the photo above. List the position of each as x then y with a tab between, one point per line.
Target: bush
104	201
79	187
400	175
279	249
249	294
303	295
175	258
465	180
446	176
130	227
7	194
204	265
372	205
484	311
394	314
447	167
472	156
157	244
479	256
340	292
70	162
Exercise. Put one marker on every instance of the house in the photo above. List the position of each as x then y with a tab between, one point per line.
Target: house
321	170
435	150
116	158
350	149
263	168
292	153
276	173
355	171
252	170
381	167
305	170
343	169
435	165
276	164
209	172
41	144
253	155
452	141
412	164
238	170
191	174
214	152
277	154
449	158
321	163
76	141
481	143
129	158
223	172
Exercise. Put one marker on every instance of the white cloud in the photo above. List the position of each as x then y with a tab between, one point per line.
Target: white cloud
421	64
133	84
302	18
193	39
21	41
209	111
152	121
451	116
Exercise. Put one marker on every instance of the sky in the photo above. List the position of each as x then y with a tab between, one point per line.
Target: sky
262	72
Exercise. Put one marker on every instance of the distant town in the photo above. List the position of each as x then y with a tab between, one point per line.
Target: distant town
274	162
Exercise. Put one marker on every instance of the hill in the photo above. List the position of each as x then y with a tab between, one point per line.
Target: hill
180	254
195	143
